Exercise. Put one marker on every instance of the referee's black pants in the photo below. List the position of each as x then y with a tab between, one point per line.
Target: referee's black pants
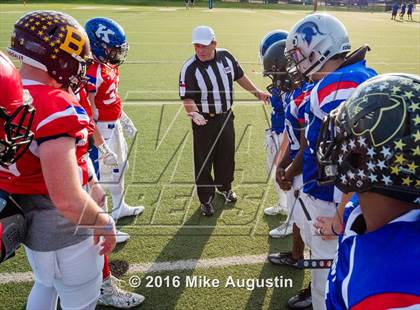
214	147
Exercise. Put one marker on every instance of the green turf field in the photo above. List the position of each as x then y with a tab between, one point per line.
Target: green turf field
160	175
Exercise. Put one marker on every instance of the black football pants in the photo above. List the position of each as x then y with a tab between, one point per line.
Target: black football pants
214	147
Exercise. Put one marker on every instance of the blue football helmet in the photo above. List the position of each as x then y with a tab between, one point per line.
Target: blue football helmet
271	38
107	40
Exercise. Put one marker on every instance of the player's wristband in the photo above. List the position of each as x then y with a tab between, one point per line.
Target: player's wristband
333	231
104	149
110	226
91	170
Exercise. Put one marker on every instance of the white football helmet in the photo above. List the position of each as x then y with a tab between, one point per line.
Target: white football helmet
312	42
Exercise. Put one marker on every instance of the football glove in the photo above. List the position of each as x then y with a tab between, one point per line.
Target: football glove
128	126
108	157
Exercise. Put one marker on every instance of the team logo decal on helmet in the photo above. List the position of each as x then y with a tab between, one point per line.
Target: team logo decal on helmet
308	31
54	42
393	108
103	33
372	142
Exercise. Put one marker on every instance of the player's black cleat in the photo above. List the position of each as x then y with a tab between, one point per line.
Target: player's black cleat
283	259
230	196
207	209
302	300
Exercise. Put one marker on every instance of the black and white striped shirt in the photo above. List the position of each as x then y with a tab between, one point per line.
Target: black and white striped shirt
210	83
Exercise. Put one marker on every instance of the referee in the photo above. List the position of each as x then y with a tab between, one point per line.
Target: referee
206	88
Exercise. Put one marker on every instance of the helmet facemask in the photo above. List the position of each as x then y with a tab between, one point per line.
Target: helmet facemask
342	155
281	82
17	133
329	142
77	81
117	55
294	58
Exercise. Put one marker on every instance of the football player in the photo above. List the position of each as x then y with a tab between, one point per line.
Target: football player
48	180
288	171
110	294
394	12
16	116
109	48
410	10
274	134
402	13
374	149
316	48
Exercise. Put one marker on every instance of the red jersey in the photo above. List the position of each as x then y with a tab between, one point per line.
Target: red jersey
83	100
103	82
57	114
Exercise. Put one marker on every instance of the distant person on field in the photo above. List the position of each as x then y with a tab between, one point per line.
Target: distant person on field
189	3
403	7
410	11
395	8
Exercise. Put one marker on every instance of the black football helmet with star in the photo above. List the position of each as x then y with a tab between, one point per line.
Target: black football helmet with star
372	141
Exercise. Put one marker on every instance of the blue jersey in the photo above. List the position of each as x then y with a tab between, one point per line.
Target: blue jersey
349	207
295	121
376	270
278	103
395	8
327	94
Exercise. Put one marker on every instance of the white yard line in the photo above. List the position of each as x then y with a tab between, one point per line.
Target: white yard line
19	277
16	277
197	264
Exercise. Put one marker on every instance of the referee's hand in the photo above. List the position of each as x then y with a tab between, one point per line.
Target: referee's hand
262	96
197	118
